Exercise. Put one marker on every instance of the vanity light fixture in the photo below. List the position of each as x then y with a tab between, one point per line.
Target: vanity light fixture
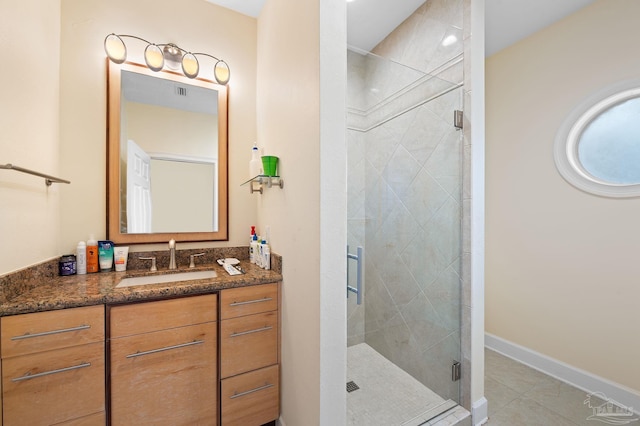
155	56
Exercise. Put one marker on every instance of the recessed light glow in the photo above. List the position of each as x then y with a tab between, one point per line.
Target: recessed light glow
449	40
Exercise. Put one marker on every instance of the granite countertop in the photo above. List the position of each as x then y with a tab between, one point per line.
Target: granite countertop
40	293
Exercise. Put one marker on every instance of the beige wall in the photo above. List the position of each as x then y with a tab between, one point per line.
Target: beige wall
29	210
288	127
192	24
158	129
562	265
293	69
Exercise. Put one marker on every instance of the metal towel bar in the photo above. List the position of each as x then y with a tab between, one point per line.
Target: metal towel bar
47	178
359	258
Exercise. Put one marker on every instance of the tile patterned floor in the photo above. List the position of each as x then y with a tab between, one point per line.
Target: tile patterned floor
521	396
389	396
517	396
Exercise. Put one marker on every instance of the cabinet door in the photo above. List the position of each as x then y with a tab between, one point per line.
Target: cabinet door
236	302
146	317
251	399
165	377
43	331
54	386
248	343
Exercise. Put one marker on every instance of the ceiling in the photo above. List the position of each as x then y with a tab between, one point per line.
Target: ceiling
509	21
506	21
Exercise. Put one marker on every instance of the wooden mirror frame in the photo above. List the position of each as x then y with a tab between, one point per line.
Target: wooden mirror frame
113	159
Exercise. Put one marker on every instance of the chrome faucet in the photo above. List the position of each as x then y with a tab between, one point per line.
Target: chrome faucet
172	254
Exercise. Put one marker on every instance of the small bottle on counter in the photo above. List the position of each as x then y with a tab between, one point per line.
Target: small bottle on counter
67	265
252	237
92	255
266	264
81	258
258	252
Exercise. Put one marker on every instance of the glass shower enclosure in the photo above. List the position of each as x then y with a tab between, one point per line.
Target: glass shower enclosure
404	207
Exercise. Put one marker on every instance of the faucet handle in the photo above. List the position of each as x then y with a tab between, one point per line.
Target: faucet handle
192	263
153	263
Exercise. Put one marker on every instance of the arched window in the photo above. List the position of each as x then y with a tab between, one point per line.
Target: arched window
597	148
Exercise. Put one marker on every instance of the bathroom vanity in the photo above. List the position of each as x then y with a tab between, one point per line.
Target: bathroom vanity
79	351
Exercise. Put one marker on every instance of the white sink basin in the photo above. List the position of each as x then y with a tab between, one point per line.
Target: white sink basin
166	278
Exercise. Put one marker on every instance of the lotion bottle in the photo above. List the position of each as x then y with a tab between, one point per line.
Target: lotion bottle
92	255
81	258
258	252
267	257
253	249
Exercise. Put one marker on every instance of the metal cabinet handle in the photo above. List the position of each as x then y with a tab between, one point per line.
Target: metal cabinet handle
257	330
168	348
46	373
248	302
238	395
48	333
359	258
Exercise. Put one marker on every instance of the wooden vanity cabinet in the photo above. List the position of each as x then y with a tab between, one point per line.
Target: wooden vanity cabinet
53	367
163	360
249	355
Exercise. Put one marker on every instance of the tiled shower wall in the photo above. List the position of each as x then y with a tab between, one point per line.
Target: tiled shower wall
405	200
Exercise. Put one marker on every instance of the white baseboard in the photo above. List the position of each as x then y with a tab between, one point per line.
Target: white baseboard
576	377
480	412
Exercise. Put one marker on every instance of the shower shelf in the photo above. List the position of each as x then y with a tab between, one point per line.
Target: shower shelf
262	181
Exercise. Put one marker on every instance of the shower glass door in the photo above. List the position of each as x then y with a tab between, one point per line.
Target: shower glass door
404	208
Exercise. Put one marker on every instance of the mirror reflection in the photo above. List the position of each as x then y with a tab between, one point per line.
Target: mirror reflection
167	135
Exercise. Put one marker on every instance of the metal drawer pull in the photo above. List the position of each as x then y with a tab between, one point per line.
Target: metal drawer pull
248	302
46	373
48	333
238	395
168	348
257	330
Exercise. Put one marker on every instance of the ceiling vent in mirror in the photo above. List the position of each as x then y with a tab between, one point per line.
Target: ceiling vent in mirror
597	148
181	91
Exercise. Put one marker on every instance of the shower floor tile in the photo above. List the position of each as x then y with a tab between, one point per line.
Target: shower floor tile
388	395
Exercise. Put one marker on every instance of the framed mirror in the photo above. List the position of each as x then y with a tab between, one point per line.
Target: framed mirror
167	157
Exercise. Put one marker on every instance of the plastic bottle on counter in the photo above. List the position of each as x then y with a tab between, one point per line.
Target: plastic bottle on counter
251	254
92	255
258	252
81	258
253	249
266	264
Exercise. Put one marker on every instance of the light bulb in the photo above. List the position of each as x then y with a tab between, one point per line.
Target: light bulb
221	72
153	57
115	48
190	66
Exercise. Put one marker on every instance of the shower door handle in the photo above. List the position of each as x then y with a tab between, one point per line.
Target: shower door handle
359	258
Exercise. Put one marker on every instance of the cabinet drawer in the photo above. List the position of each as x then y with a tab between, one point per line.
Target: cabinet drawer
248	343
251	399
43	331
54	386
136	318
165	377
237	302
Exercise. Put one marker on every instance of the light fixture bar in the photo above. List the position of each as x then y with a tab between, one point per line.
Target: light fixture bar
155	56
